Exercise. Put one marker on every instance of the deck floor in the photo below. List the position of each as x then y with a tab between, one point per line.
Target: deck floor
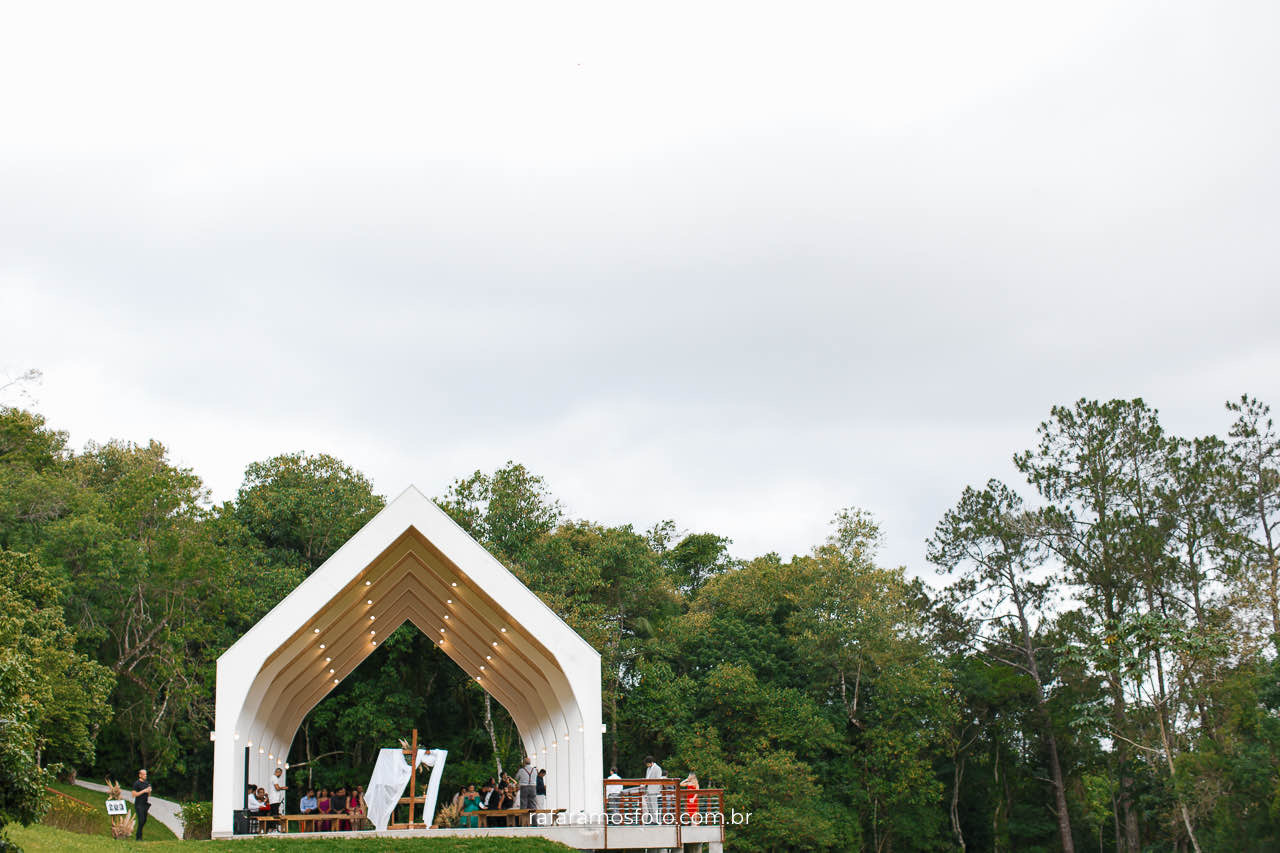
584	837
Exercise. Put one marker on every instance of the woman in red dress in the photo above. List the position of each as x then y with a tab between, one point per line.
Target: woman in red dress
690	796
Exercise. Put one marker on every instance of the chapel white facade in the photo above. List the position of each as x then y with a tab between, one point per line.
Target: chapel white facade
410	563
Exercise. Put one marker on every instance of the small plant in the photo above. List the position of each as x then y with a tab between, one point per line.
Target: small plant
447	816
197	821
122	826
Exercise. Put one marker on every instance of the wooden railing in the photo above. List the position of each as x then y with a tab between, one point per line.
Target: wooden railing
661	802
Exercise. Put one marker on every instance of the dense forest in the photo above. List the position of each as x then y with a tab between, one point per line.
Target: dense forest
1093	668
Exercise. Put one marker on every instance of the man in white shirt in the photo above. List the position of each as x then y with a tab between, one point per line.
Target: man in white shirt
652	770
276	794
613	796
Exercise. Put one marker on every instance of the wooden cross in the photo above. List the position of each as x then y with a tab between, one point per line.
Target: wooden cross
412	752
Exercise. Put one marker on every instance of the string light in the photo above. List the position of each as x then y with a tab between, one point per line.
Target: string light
366	583
322	646
370	601
335	681
315	630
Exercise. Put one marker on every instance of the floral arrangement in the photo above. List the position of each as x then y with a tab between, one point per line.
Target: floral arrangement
122	825
448	815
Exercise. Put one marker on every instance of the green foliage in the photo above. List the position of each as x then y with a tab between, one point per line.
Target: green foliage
507	511
197	821
1117	626
303	507
51	697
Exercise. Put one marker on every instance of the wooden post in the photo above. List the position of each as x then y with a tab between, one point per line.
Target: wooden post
413	775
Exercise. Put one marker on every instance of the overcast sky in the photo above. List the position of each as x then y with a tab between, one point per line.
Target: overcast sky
735	265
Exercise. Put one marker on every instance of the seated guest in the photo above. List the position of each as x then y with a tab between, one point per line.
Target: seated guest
263	799
252	804
309	805
470	803
324	806
356	808
339	804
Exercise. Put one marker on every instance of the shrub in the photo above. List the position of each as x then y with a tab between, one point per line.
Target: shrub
197	821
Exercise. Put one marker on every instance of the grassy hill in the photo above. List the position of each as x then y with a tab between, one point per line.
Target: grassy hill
47	839
95	820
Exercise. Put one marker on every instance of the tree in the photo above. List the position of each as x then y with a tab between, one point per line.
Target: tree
52	699
989	537
305	506
507	511
1255	448
35	486
692	561
609	585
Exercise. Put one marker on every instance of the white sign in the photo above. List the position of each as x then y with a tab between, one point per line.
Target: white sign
117	807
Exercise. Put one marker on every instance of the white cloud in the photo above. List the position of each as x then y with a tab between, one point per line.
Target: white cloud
733	264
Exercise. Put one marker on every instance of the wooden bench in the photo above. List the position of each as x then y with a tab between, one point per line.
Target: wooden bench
302	820
261	822
523	816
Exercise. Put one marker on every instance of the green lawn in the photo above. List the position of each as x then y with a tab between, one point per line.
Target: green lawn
155	830
46	839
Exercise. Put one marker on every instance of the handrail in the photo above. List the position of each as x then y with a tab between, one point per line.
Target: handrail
632	802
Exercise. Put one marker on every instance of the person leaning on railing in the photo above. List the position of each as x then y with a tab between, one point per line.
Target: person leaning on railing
690	784
613	793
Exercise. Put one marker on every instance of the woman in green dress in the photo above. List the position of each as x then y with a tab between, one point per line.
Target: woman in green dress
470	803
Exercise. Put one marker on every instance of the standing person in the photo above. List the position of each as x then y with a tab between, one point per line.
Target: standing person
652	770
690	794
541	789
526	778
276	794
141	801
613	795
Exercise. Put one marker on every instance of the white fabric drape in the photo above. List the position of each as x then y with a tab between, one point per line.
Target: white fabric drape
391	776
